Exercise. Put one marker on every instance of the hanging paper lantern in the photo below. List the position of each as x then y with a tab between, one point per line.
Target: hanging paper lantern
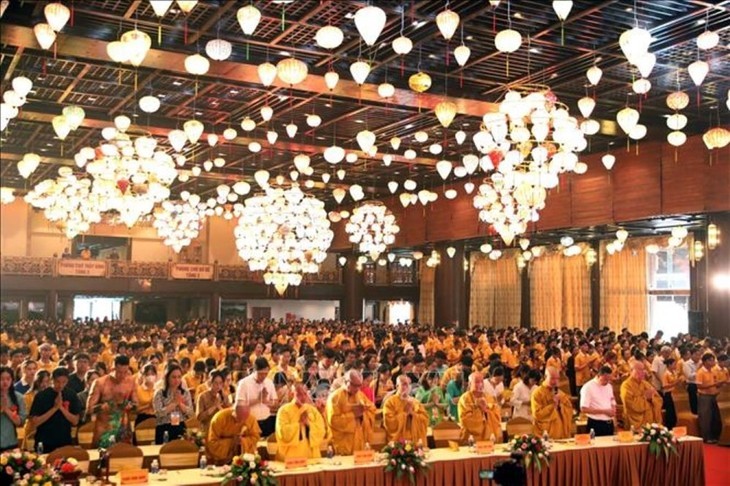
61	126
678	100
462	54
292	71
562	8
301	162
386	90
291	130
443	167
716	138
447	22
608	160
594	74
197	64
22	85
365	139
392	186
160	7
212	140
638	132
697	71
329	37
117	51
267	73
57	14
645	62
586	106
218	49
402	45
634	43
419	82
138	45
677	121
267	112
420	136
313	120
74	116
45	35
230	133
370	21
247	124
641	86
395	143
706	40
272	137
339	194
627	119
186	6
334	154
676	138
149	104
331	79
248	18
194	130
445	112
177	139
460	136
508	41
360	71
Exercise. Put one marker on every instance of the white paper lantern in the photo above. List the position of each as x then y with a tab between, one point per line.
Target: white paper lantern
57	14
447	22
462	53
248	18
218	49
562	8
608	160
149	104
370	21
247	124
230	134
334	154
45	35
267	73
676	138
177	139
594	74
708	40
331	79
197	65
291	130
360	71
443	167
160	7
460	136
329	37
402	45
386	90
365	139
313	120
267	112
697	71
627	119
586	106
194	130
292	71
508	41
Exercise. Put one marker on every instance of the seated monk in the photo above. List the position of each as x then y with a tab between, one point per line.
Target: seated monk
350	415
403	416
642	403
232	432
300	427
478	413
551	407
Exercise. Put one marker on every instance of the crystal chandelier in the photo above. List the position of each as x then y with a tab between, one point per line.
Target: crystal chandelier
528	143
284	233
373	228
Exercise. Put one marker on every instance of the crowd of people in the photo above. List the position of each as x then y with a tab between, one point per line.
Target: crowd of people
308	382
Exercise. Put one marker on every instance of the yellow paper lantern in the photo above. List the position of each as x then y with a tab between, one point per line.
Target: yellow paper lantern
292	71
445	112
419	82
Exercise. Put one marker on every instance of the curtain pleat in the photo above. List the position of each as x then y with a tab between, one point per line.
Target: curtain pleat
560	292
426	299
624	295
496	292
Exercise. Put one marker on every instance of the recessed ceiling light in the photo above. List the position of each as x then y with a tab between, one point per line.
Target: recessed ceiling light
319	138
161	95
44	150
283	97
135	115
176	83
535	50
328	105
432	56
359	121
466	124
233	92
198	113
91	98
410	125
284	53
629	9
469	37
517	15
419	23
49	145
349	15
701	22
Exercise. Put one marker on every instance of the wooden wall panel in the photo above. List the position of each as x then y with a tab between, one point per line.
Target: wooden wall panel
636	182
590	195
683	177
717	180
557	207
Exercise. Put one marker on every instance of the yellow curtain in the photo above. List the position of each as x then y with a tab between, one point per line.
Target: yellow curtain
624	296
560	293
496	291
425	302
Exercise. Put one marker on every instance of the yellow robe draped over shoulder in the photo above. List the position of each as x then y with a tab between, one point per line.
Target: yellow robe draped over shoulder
557	421
476	422
400	425
295	440
348	433
637	409
226	434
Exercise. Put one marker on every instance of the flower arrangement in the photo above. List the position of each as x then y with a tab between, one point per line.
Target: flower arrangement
249	469
25	469
534	450
196	438
403	457
67	468
119	428
660	439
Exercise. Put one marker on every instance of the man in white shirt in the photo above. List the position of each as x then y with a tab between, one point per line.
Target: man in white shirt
598	403
494	385
257	391
658	367
690	374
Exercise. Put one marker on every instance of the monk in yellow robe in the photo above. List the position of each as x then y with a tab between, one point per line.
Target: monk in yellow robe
350	415
231	432
552	408
642	403
478	413
403	416
300	427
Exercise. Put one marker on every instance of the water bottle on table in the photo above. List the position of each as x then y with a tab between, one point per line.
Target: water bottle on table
154	467
593	436
203	459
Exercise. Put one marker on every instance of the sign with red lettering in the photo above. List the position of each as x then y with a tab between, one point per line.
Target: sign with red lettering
364	457
485	447
295	462
81	268
189	271
133	476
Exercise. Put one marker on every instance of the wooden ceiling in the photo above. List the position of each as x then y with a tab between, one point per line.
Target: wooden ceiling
78	72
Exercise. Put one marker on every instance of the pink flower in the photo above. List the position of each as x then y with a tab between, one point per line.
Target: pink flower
524	446
392	461
534	441
411	469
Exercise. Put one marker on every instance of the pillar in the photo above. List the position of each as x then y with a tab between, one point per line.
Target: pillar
51	309
595	276
717	280
215	307
450	287
351	305
525	296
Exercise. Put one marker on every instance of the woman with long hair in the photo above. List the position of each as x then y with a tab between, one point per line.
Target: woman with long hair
41	381
211	401
173	405
12	410
432	397
145	393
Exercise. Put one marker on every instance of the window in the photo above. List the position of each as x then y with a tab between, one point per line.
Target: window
669	289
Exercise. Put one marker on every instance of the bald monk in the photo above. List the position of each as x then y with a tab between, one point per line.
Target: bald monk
350	415
403	416
232	431
551	407
300	427
478	413
642	404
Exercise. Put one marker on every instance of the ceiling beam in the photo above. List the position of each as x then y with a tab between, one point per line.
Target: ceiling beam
87	48
14	63
222	9
72	86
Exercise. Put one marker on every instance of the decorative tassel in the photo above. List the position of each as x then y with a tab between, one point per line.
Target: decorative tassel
562	34
247	49
55	51
119	80
461	79
159	33
637	147
43	67
135	81
283	18
507	66
72	14
698	97
494	22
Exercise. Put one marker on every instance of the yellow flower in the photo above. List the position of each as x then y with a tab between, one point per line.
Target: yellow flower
47	483
3	460
408	448
37	478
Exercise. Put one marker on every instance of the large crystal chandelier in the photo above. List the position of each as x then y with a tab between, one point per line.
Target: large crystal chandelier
284	233
178	223
527	143
373	228
67	201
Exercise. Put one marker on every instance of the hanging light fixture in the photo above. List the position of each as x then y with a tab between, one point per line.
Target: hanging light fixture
676	138
594	74
443	167
370	21
272	137
716	138
7	194
334	154
402	45
419	82
447	22
627	118
697	71
386	90
365	139
292	71
266	112
149	104
218	49
291	130
678	100
329	37
247	124
445	112
562	8
608	160
197	65
45	35
508	41
57	14
248	18
331	78
372	226
313	120
186	6
61	126
462	53
267	73
74	115
713	236
706	40
177	139
193	130
634	43
138	45
360	71
160	7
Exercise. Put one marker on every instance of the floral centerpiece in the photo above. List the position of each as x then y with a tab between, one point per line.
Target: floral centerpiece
660	439
534	450
67	468
403	457
119	427
25	469
196	438
249	469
